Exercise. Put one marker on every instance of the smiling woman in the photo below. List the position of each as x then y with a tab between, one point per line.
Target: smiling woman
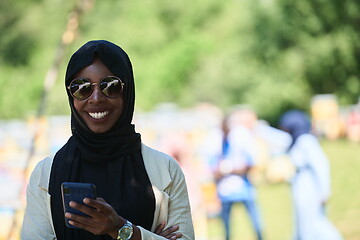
142	192
99	111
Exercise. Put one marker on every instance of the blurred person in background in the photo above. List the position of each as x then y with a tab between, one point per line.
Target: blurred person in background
268	146
231	166
177	143
311	182
142	192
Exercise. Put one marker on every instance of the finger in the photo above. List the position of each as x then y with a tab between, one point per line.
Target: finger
77	220
82	208
101	200
87	223
86	226
174	236
94	208
94	201
170	230
160	228
99	204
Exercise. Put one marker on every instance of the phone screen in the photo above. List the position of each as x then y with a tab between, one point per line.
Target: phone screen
72	191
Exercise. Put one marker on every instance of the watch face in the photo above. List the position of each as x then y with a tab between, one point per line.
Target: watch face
125	232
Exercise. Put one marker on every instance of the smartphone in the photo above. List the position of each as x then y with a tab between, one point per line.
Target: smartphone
72	191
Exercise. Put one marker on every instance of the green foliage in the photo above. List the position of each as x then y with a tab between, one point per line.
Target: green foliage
17	41
324	35
273	55
30	32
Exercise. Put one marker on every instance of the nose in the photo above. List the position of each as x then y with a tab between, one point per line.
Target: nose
96	96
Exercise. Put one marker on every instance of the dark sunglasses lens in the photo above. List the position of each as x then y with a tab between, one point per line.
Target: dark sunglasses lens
80	89
111	87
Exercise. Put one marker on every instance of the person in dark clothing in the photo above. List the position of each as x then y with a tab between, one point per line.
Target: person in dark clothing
141	191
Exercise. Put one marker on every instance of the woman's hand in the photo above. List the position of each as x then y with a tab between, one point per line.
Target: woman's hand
103	218
169	233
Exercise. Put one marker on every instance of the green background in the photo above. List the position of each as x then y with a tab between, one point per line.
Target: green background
271	54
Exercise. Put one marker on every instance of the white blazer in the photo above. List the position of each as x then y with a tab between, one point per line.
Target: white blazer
168	183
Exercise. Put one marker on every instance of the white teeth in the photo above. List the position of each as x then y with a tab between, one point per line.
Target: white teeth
98	115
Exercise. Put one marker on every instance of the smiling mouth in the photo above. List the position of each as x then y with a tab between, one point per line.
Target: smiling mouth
98	115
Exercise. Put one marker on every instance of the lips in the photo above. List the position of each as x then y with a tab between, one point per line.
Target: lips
98	115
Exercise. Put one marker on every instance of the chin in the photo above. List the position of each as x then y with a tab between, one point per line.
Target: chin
99	130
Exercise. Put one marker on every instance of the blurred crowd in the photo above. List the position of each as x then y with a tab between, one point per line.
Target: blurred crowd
333	121
194	137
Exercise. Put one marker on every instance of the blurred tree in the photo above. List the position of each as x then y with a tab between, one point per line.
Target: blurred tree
17	41
30	31
271	54
321	36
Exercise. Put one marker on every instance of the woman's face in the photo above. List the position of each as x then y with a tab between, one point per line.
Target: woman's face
98	112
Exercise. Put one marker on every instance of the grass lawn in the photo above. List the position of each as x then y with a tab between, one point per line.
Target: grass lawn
275	202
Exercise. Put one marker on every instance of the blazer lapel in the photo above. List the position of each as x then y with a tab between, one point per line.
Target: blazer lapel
156	166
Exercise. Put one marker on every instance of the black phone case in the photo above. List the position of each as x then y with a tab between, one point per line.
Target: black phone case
72	191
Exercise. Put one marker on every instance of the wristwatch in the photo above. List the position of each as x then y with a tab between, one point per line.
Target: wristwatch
125	232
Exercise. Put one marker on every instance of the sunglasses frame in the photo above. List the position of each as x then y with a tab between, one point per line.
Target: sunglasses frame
122	84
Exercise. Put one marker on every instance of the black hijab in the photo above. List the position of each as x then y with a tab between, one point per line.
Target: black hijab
111	160
296	123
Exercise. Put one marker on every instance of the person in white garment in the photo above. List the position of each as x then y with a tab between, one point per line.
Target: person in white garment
311	183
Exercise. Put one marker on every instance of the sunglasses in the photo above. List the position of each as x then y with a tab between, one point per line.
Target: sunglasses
81	88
